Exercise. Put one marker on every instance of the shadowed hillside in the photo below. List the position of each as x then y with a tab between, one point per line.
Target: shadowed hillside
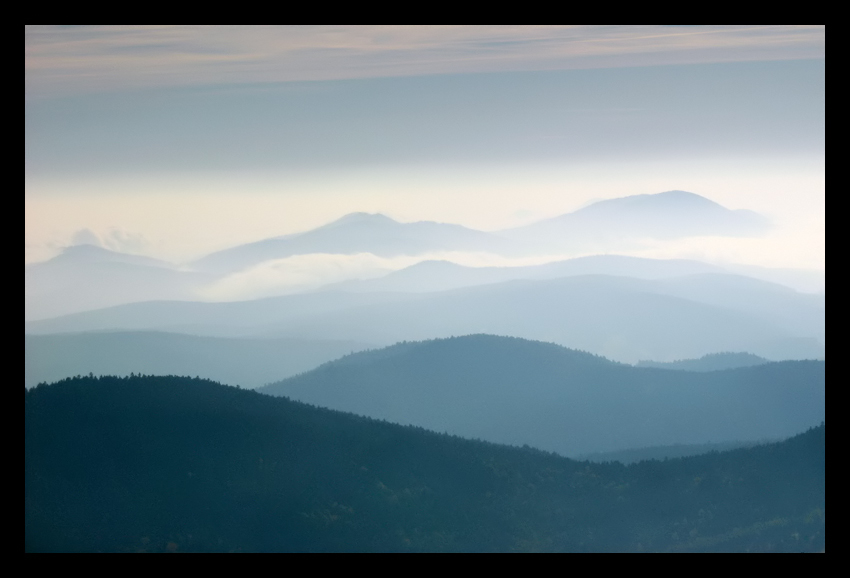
710	362
510	390
631	456
165	464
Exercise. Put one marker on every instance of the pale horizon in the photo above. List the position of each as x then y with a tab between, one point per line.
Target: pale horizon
175	142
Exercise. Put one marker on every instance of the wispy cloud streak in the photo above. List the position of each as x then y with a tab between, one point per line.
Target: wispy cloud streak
60	60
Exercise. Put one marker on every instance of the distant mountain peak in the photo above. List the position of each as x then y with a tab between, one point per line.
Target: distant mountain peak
614	224
89	252
85	249
681	196
666	199
436	265
677	193
361	217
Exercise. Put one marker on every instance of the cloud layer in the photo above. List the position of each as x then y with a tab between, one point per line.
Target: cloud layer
84	59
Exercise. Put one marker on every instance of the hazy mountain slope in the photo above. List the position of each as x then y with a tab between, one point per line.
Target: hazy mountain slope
800	313
620	222
621	318
246	362
164	464
805	280
86	253
85	277
710	362
673	214
429	276
509	390
358	233
443	275
235	318
667	215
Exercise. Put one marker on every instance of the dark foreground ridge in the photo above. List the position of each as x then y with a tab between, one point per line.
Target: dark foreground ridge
164	464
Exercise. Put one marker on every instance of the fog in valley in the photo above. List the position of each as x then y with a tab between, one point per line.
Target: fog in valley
613	253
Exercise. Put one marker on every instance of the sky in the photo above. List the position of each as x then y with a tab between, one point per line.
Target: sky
177	141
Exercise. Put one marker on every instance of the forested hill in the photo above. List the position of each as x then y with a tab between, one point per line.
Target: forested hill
515	391
165	464
245	361
710	362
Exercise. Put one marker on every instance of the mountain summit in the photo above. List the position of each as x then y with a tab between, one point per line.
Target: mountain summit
609	224
361	218
357	233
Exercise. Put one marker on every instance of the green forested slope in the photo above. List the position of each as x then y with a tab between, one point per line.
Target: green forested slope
177	464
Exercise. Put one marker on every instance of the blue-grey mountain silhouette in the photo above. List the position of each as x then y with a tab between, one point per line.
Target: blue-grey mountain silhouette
622	318
604	224
618	223
428	276
357	233
514	391
709	362
84	277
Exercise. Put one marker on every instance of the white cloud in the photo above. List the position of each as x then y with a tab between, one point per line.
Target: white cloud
86	237
124	241
114	239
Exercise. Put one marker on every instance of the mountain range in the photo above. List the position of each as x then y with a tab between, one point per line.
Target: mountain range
626	319
605	225
85	277
357	233
504	355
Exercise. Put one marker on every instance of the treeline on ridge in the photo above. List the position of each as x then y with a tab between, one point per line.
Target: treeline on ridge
179	464
517	391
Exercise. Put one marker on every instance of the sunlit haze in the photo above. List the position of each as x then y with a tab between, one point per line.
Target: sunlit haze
178	156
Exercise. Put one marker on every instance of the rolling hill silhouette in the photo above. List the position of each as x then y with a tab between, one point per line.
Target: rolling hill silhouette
84	277
622	318
668	215
166	464
509	390
357	233
618	222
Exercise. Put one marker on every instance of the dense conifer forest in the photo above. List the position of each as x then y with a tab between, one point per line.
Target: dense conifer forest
173	464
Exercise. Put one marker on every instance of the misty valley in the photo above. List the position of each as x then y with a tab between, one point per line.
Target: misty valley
378	386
